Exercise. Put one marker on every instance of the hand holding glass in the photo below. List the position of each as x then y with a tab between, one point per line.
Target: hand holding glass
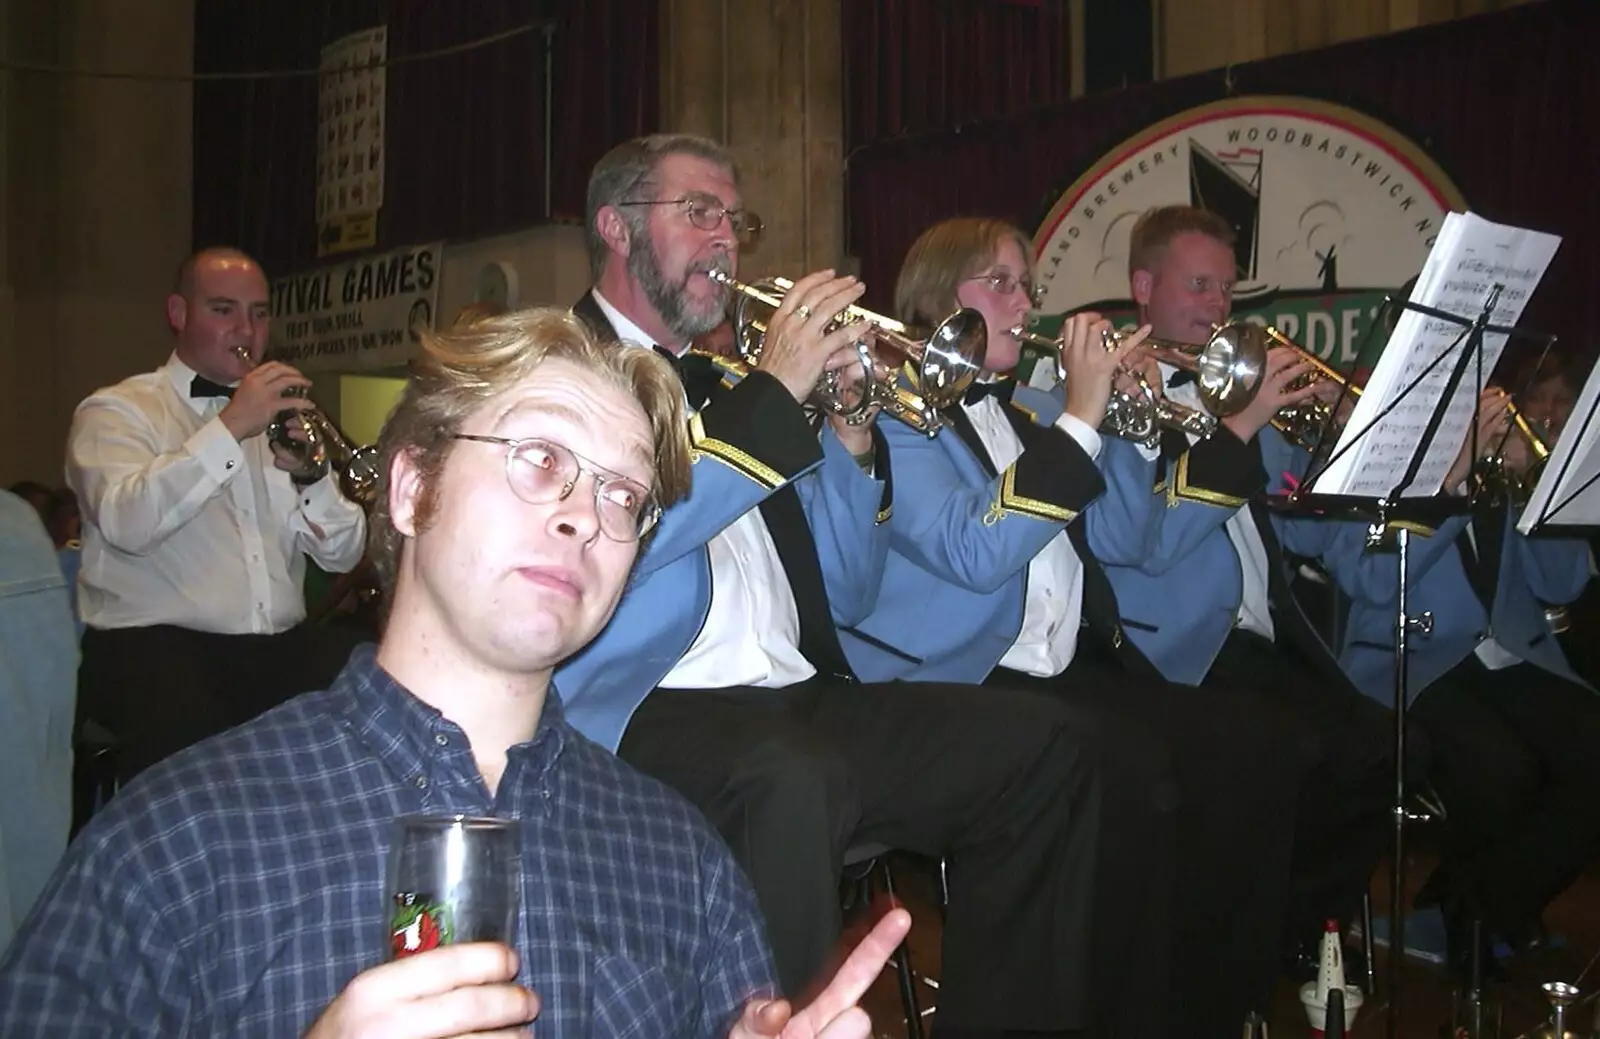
452	879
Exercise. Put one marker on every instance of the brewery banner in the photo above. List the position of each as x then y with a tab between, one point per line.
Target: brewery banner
1333	209
358	315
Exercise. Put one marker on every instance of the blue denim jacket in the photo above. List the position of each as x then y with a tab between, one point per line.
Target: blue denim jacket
38	692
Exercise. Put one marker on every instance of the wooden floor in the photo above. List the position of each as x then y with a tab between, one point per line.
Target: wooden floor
1426	994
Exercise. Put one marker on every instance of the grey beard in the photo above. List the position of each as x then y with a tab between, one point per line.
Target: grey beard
671	299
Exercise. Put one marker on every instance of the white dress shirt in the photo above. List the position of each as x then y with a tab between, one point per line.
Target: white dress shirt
1053	611
751	635
1255	611
183	524
1490	653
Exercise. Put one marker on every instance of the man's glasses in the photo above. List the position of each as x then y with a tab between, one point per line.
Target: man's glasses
543	471
706	212
1004	283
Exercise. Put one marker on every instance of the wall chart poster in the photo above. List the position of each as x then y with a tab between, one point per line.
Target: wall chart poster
350	140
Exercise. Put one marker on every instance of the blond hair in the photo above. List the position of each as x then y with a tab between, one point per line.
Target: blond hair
467	366
944	256
1156	228
478	310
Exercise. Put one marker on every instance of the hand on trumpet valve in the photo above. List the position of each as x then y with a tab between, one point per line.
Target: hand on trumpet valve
1283	384
1090	360
1140	375
800	340
282	456
851	388
1494	421
262	394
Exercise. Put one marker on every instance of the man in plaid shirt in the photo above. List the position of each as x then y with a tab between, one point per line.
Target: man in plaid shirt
237	888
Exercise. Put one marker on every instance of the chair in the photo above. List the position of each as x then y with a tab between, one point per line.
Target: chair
861	864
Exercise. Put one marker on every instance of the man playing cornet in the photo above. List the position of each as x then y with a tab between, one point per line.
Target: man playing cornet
194	535
1206	597
722	672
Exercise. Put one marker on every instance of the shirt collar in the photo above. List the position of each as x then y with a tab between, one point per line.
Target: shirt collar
182	376
405	732
626	330
1188	394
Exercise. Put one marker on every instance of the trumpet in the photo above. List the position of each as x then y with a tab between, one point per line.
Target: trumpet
1137	417
1493	474
939	365
1229	367
323	448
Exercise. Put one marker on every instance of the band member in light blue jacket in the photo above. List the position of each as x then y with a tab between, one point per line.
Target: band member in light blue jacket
992	577
1207	600
1511	726
721	673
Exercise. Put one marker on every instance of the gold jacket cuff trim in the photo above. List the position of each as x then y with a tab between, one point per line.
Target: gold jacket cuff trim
1011	501
741	461
1415	528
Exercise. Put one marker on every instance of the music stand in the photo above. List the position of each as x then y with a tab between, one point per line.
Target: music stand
1392	510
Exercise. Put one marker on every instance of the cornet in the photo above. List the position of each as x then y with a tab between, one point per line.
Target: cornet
1229	367
939	365
1137	417
1493	473
324	447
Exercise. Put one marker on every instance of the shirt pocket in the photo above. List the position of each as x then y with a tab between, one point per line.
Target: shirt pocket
641	1001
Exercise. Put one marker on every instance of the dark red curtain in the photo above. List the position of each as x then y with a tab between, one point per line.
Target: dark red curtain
917	65
465	132
1505	102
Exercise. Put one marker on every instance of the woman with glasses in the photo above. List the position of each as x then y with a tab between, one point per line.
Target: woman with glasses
992	578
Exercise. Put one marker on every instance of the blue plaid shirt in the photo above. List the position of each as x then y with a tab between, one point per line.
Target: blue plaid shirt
237	887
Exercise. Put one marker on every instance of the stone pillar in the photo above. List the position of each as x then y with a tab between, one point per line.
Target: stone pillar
766	79
98	208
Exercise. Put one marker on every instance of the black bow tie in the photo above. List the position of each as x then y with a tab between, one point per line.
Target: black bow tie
1181	377
204	387
696	371
1000	390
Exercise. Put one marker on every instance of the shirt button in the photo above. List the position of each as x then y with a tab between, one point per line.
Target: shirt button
421	782
441	739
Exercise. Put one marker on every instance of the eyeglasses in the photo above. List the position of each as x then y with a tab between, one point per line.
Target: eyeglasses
543	471
1004	283
707	212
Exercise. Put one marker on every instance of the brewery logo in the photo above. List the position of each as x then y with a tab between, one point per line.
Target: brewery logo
1333	210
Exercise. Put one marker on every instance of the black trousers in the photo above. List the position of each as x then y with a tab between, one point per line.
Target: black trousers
1200	790
163	688
994	781
1516	760
1342	823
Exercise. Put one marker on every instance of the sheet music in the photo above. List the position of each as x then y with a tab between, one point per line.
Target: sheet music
1470	256
1568	491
